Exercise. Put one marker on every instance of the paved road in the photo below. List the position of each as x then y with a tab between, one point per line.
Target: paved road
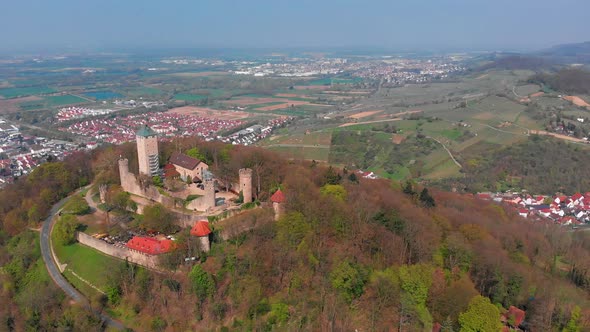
57	277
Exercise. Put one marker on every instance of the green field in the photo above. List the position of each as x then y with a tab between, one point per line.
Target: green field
144	91
87	263
28	91
189	97
52	101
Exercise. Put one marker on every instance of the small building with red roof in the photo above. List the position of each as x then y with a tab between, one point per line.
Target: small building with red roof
278	201
150	245
202	230
514	317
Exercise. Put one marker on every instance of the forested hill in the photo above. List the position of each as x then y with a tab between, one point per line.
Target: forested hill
348	254
569	81
541	165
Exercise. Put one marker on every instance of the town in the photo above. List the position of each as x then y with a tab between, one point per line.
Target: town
573	210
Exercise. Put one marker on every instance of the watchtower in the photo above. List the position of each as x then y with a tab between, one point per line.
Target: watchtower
246	184
278	204
209	187
147	151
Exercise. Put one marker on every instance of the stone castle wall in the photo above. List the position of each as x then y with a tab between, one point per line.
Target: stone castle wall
123	253
130	184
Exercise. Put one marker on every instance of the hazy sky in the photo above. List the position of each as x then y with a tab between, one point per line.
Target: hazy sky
395	24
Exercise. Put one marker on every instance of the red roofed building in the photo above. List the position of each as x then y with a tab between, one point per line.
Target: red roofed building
150	245
278	200
278	197
201	230
514	316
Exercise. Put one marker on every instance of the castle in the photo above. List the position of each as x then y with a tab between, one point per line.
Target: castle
193	169
147	151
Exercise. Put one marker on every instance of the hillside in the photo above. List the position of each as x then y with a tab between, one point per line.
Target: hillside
346	255
569	81
515	62
540	165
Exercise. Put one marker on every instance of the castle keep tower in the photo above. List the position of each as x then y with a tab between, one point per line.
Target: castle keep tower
209	186
147	151
246	184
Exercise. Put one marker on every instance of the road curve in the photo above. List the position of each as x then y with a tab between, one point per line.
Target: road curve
56	275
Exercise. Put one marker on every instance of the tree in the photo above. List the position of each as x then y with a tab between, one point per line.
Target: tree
331	176
408	188
65	229
349	279
334	190
481	316
415	281
77	205
573	325
426	199
157	217
292	228
202	283
353	178
195	153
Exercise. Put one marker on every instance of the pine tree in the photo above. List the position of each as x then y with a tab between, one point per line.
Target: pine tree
426	199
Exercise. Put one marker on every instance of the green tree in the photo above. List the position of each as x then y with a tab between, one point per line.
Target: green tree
202	283
65	229
573	325
353	178
408	188
349	279
331	176
292	228
426	199
415	281
334	190
195	153
481	316
77	205
157	217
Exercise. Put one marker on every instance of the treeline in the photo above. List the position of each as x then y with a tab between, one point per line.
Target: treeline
541	165
570	81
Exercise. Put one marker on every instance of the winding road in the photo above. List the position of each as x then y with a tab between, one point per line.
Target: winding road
56	275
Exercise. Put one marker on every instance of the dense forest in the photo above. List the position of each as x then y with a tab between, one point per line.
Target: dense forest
541	165
348	254
570	81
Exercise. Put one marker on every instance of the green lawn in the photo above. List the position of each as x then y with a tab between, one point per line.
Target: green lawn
52	101
28	91
88	263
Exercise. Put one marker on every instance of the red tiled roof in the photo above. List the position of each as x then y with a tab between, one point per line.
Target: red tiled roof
201	228
149	245
516	314
278	197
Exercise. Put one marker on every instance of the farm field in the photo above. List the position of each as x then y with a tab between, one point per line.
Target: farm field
143	91
103	95
307	153
211	113
25	91
52	101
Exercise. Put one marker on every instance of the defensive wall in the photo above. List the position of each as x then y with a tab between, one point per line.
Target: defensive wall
122	252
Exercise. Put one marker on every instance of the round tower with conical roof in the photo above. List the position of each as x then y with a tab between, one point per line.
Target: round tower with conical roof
201	230
246	184
278	203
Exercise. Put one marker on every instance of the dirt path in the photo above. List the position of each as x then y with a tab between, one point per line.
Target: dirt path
564	137
379	121
448	151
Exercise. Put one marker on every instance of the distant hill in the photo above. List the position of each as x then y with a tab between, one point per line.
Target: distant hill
515	62
568	53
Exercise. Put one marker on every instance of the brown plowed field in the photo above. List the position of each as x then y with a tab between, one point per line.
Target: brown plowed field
210	113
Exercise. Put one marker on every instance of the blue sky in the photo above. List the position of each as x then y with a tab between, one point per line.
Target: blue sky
406	24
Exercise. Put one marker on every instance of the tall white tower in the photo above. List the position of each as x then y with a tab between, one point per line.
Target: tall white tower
147	151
